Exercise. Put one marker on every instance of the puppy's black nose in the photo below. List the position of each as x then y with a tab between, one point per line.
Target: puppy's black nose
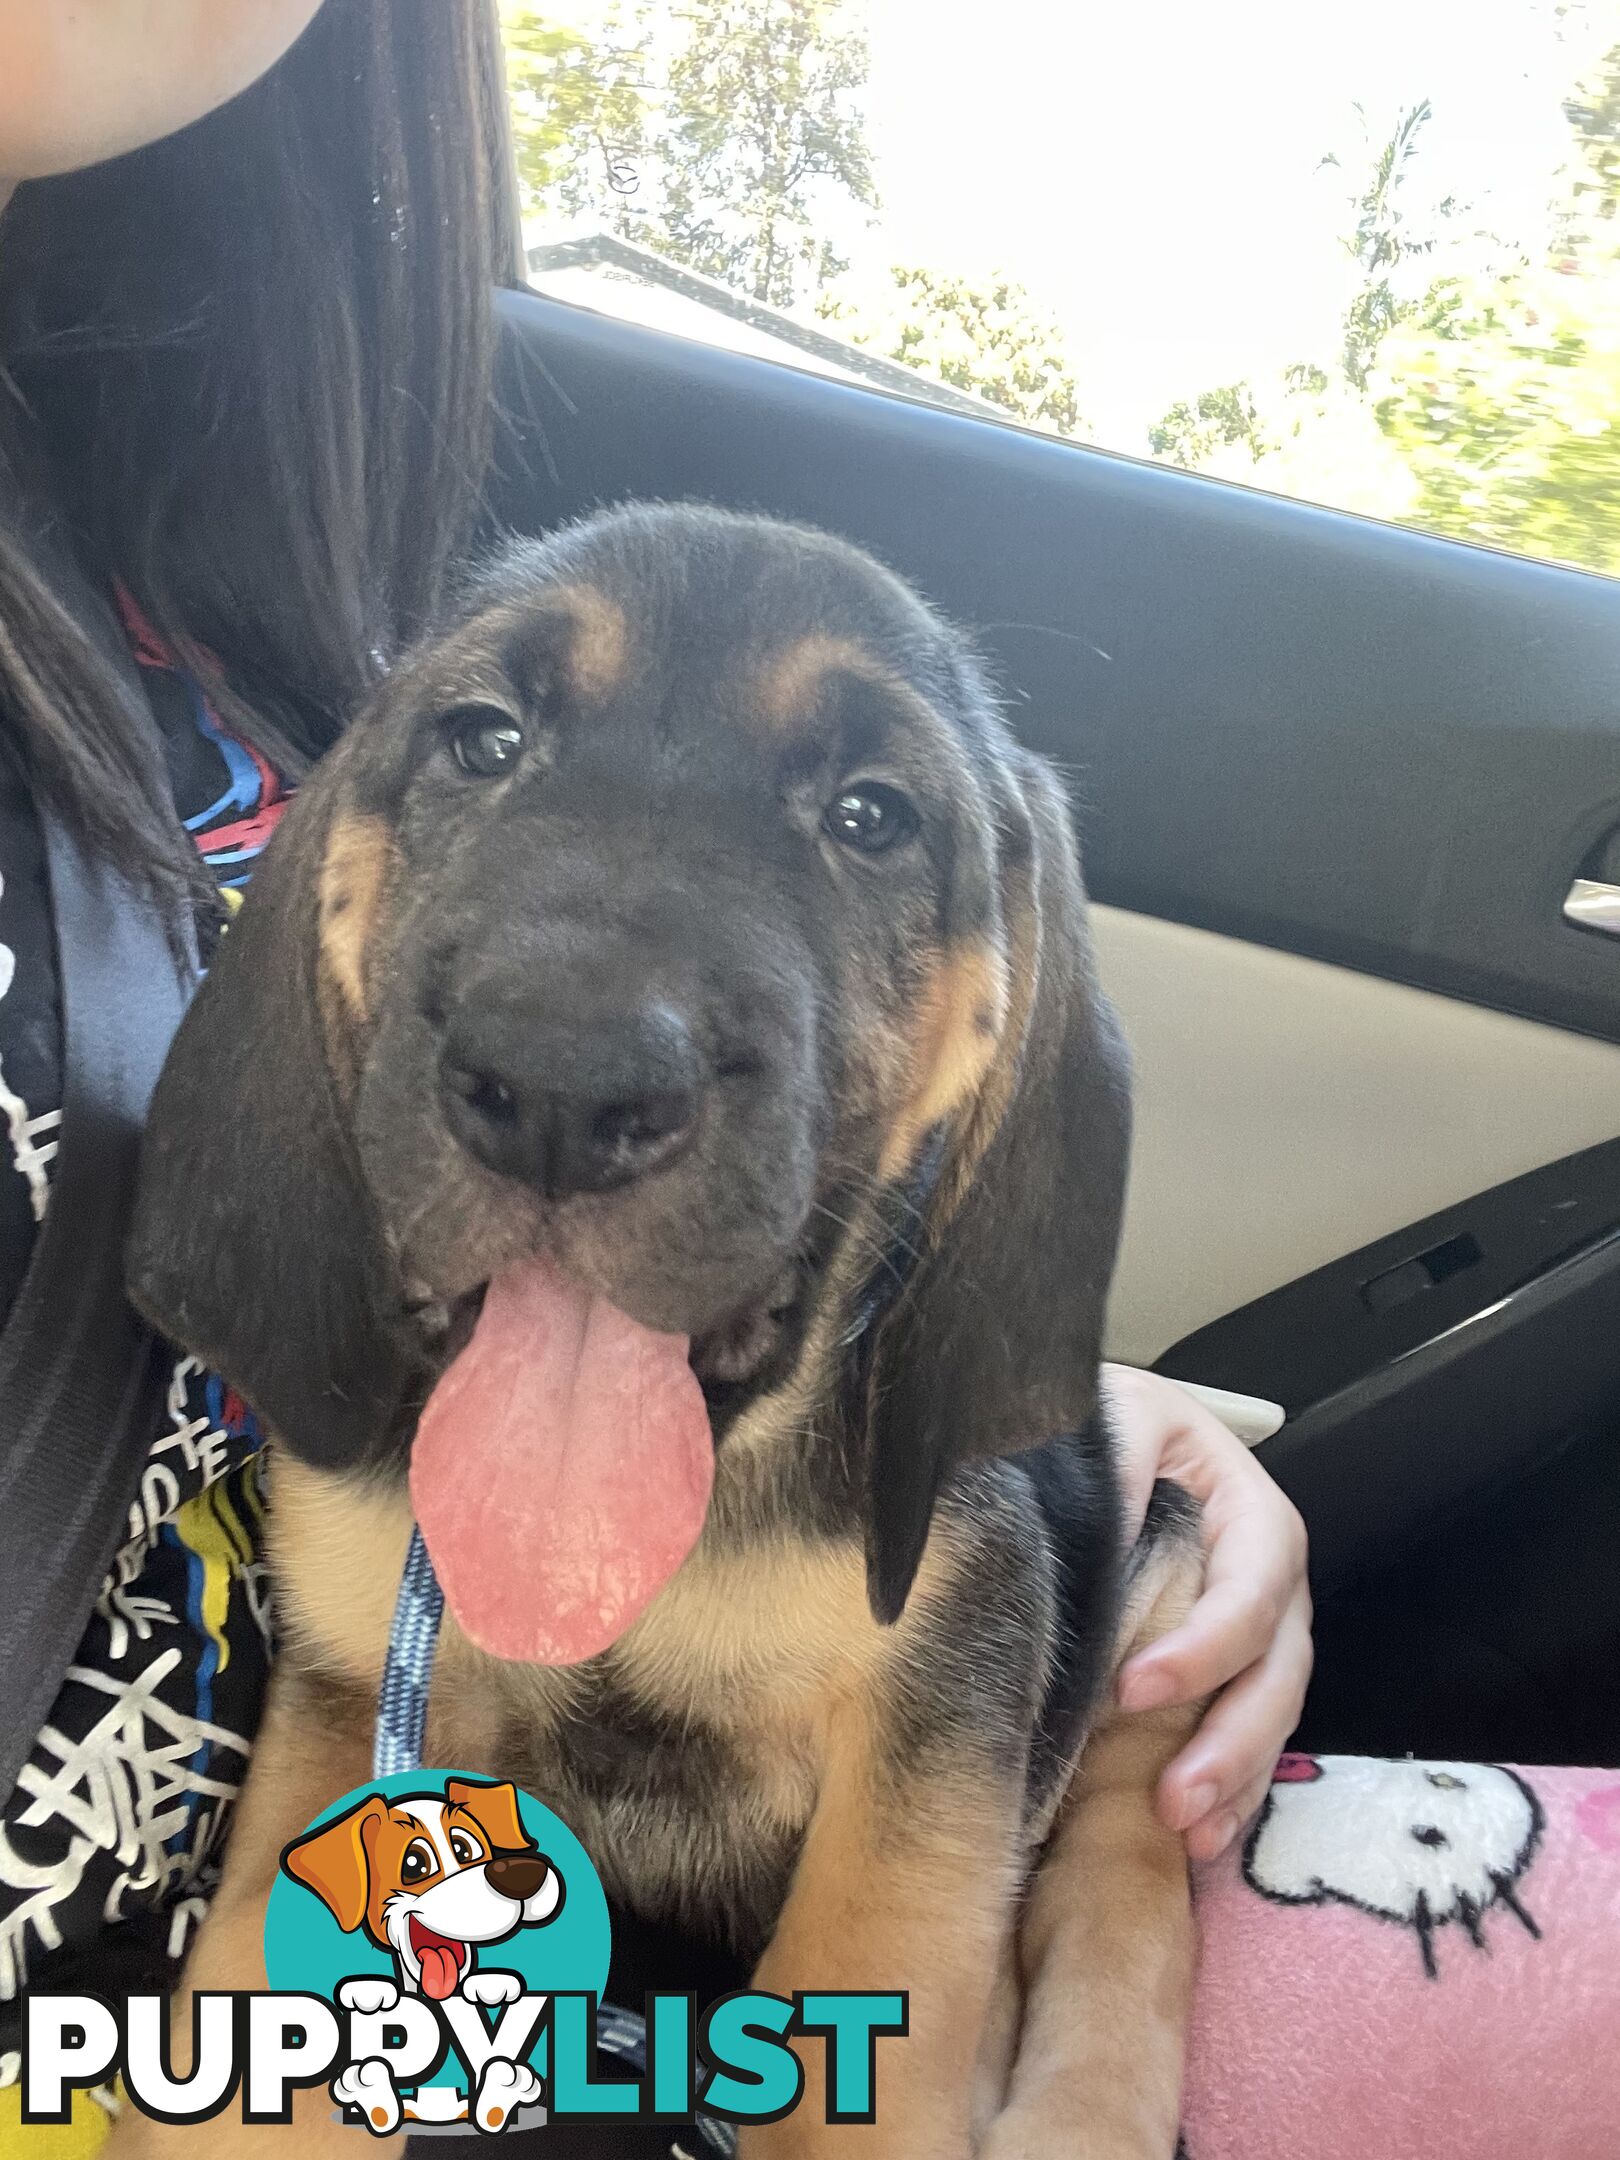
516	1875
570	1106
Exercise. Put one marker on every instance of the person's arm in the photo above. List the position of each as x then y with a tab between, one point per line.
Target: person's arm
1247	1642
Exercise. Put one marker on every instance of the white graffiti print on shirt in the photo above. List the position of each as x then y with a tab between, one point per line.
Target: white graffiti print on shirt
132	1787
149	1784
33	1139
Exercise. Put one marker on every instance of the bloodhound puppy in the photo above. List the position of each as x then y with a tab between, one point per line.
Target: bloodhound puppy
655	1123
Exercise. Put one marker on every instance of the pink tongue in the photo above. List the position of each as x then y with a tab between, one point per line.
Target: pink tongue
439	1968
561	1470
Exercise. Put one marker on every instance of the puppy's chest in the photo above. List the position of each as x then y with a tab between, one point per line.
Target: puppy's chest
689	1759
691	1805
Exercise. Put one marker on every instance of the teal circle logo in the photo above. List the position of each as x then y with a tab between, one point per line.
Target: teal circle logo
436	1890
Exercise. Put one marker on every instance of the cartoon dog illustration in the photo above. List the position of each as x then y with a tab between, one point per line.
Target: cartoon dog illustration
1422	1844
431	1878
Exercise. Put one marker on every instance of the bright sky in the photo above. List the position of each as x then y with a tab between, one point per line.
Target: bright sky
1149	167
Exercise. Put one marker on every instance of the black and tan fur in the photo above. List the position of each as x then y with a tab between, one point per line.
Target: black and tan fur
844	1738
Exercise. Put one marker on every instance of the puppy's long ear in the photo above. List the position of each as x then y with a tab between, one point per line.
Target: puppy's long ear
996	1344
253	1242
335	1862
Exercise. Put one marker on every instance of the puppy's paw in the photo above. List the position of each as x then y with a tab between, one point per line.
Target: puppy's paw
491	1989
503	2088
370	1998
369	2086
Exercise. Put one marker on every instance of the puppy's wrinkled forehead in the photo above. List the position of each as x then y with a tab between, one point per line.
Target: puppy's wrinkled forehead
701	623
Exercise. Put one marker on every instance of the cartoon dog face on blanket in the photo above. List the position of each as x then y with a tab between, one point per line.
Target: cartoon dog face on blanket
430	1877
1422	1844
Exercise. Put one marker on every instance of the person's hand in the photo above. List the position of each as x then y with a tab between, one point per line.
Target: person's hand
1247	1642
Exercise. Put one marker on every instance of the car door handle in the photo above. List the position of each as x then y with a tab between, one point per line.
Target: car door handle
1592	905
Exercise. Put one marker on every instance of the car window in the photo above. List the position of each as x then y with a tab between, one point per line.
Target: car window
1367	257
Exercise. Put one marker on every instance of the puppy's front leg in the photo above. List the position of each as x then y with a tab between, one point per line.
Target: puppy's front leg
907	1881
1106	1941
307	1755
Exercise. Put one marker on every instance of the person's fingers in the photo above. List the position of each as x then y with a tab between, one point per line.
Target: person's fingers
1209	1837
1246	1644
1237	1745
1253	1534
1256	1571
1228	1630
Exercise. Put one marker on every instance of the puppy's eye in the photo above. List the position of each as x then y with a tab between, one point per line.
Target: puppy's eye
466	1849
418	1864
870	817
484	740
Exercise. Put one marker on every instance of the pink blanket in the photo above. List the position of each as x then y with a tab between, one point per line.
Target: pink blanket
1412	1961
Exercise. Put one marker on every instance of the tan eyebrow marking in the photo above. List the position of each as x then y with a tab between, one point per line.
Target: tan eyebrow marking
597	655
786	695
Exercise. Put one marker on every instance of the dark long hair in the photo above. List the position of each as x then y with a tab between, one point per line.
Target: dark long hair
256	358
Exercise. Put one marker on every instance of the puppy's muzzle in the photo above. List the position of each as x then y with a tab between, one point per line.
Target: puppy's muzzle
569	1102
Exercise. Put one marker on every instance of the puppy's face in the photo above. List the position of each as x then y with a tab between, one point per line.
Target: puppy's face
654	925
660	922
430	1877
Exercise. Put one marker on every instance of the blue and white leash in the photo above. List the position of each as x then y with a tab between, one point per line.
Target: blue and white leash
402	1708
408	1673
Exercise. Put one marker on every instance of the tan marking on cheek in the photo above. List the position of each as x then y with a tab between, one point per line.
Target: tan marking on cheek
996	1090
356	874
790	686
597	651
961	1018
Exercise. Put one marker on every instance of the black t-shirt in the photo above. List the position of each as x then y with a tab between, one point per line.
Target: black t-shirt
110	1844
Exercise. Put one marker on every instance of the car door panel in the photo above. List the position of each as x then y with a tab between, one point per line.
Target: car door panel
1289	1112
1456	1354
